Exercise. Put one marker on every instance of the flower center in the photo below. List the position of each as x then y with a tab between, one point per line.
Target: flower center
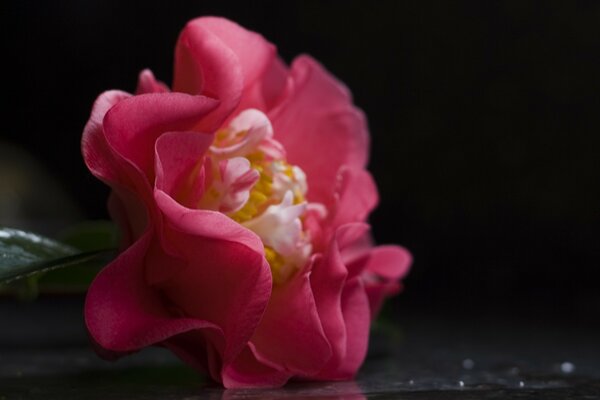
252	183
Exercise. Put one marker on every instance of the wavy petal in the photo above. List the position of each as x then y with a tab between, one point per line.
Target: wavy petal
206	223
253	51
214	271
179	165
389	261
385	265
131	196
267	91
132	126
356	196
328	281
319	127
357	317
290	334
147	83
219	58
97	154
246	371
124	314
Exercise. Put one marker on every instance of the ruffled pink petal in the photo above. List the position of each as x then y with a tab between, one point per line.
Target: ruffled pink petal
328	280
124	314
220	282
206	223
356	196
357	317
356	254
253	52
385	266
132	126
267	91
132	196
98	156
205	65
290	335
246	371
319	127
148	84
389	261
179	165
218	58
217	273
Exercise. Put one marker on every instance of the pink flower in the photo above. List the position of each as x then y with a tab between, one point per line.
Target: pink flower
242	196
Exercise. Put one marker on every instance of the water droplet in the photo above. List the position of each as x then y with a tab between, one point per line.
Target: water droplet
411	382
461	384
521	384
468	363
567	367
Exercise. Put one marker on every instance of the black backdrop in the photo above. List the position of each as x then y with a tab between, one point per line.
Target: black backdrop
484	118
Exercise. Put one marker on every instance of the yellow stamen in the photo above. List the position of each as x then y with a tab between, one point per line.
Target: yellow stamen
276	179
276	261
258	200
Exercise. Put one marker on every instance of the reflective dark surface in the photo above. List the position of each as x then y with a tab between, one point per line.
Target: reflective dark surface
44	355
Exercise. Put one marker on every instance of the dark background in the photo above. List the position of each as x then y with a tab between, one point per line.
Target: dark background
484	118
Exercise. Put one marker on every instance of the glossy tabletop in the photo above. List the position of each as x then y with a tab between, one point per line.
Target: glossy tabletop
44	355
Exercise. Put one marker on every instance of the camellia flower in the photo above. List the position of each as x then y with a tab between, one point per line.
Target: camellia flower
242	196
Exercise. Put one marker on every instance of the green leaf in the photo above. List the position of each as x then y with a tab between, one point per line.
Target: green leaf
19	247
24	253
74	280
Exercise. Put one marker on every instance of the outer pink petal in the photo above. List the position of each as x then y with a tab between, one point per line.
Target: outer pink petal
218	58
356	196
216	272
389	261
124	314
131	194
148	84
246	371
328	281
132	126
290	336
179	165
253	52
319	127
205	223
98	156
384	267
357	317
266	92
